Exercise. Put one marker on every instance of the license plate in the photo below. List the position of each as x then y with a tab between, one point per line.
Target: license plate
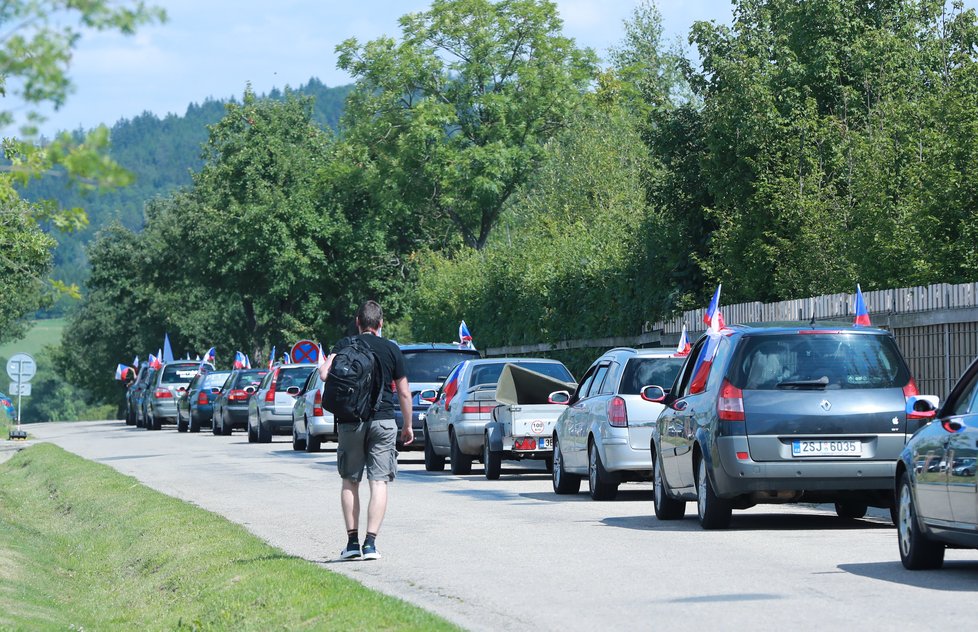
546	443
829	447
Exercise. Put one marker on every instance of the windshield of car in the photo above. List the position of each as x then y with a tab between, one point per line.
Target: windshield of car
818	361
433	365
489	373
216	378
295	376
642	372
179	373
251	377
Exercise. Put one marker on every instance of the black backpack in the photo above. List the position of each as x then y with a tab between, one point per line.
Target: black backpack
352	390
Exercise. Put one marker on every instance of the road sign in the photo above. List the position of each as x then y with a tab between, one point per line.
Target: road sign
20	388
305	351
21	367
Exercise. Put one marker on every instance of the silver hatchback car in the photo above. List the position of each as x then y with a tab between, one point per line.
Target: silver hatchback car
311	425
270	408
605	432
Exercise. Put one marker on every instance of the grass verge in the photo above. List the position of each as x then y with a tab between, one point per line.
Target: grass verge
84	547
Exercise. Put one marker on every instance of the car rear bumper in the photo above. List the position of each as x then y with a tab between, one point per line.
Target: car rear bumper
734	477
322	427
619	455
275	421
470	436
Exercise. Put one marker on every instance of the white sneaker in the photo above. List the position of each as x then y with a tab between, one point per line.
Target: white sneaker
350	553
370	552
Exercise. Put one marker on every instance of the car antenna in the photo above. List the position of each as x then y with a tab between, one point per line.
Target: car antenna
812	324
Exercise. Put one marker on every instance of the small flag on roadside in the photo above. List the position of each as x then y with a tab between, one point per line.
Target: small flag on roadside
862	314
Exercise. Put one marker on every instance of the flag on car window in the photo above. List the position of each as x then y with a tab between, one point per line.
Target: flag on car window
271	357
167	351
862	314
713	312
464	337
247	361
155	362
682	349
239	360
135	361
451	384
211	355
120	371
321	357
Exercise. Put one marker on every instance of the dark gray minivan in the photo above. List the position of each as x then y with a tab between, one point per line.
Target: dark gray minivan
786	412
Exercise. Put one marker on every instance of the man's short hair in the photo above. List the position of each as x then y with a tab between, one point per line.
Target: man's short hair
369	315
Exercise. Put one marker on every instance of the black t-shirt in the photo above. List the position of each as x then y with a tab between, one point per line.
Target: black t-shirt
391	367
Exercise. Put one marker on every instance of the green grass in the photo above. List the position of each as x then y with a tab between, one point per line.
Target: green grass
84	547
41	334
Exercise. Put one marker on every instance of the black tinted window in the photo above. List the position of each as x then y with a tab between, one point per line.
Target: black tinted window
292	377
641	372
829	360
179	373
250	378
433	366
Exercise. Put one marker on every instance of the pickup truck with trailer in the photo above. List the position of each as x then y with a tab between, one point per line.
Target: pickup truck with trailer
522	425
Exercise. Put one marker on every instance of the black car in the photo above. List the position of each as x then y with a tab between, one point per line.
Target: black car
428	365
231	405
133	392
936	484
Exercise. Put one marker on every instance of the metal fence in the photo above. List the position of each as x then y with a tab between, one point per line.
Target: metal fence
936	327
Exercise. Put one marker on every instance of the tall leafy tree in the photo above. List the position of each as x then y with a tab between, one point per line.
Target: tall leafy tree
453	118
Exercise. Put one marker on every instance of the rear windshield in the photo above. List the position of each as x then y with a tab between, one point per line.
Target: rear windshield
641	372
818	361
250	378
215	379
489	373
179	373
433	366
296	376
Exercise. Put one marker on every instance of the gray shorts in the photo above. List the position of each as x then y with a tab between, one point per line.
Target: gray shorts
367	444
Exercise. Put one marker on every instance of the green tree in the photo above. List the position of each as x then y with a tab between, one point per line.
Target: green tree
35	53
454	117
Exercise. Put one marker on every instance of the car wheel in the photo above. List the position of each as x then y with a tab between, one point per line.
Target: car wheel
297	444
130	418
432	462
194	423
264	433
226	427
917	551
563	482
313	444
151	423
216	428
714	513
252	437
602	484
461	463
181	426
493	461
849	510
666	508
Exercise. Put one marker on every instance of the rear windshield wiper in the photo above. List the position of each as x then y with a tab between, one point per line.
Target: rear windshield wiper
821	382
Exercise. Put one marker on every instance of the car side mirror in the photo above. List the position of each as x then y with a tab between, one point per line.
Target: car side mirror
429	395
293	390
952	425
215	390
250	390
559	397
182	389
922	406
653	393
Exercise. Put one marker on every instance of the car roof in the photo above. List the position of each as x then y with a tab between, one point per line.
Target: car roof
504	360
436	346
651	352
294	365
796	326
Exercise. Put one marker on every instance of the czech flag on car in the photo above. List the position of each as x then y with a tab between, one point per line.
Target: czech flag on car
239	360
451	384
211	355
704	361
862	314
155	362
464	336
713	311
682	349
271	357
120	371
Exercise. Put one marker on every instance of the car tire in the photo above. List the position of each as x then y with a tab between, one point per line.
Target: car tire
299	445
313	444
461	463
181	427
492	460
264	434
917	551
215	427
252	437
563	482
130	418
714	512
151	423
194	423
666	508
226	427
849	510
602	484
432	462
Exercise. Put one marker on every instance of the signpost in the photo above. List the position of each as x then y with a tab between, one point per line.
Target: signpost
21	368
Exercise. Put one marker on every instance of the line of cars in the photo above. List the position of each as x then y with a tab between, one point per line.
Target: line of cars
780	413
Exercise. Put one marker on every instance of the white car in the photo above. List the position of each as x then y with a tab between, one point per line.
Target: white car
606	431
311	425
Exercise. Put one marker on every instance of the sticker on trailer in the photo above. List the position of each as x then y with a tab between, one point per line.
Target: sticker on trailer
537	427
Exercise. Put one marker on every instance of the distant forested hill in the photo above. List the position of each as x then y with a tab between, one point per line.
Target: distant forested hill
161	153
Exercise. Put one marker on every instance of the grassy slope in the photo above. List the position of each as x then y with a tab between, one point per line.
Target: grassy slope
41	333
83	546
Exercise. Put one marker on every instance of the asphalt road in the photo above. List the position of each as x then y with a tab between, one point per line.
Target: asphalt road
511	555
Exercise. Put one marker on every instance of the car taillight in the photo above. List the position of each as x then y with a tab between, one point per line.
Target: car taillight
527	443
730	404
317	404
910	389
162	393
237	395
476	407
270	395
202	399
617	413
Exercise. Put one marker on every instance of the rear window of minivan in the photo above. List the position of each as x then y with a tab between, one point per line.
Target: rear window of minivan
818	361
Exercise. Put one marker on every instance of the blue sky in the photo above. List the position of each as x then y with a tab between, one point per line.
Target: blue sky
211	48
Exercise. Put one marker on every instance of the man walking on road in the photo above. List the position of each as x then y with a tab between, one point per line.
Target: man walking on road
371	444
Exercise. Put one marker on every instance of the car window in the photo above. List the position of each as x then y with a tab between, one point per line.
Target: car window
608	385
433	365
840	361
585	384
962	401
251	377
599	377
179	373
642	372
295	376
686	378
215	379
311	382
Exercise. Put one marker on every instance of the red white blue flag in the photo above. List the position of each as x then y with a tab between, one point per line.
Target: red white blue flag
211	355
464	336
704	361
682	349
713	312
155	362
451	384
271	357
862	314
239	360
120	371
